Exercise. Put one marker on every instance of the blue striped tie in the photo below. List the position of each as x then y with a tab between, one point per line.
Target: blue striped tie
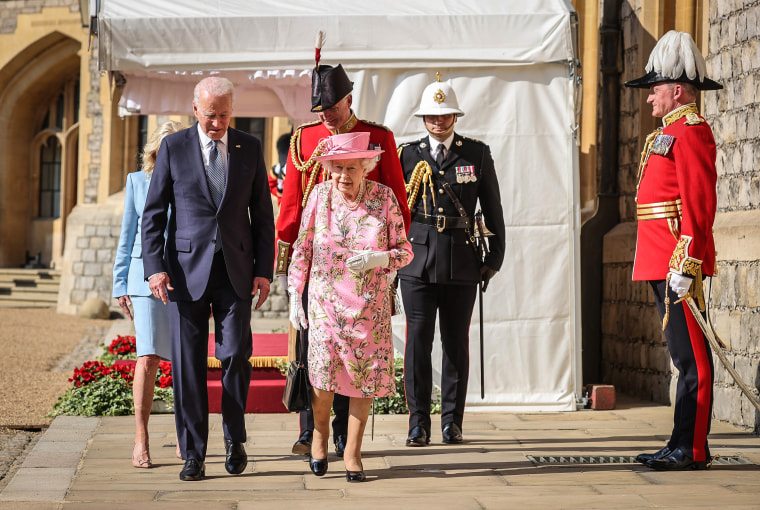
215	174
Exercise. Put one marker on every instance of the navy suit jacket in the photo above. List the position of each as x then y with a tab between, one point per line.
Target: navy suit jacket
245	216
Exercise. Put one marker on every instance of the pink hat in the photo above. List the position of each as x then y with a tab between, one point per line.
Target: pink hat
346	146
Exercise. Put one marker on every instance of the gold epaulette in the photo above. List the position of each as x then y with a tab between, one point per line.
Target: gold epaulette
692	119
370	123
309	124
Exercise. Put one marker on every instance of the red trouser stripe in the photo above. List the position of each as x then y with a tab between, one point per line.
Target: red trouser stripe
704	385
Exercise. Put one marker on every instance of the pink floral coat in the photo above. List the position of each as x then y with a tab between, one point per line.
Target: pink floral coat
350	338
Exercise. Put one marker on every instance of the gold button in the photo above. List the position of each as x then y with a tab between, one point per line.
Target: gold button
411	239
440	209
441	172
440	191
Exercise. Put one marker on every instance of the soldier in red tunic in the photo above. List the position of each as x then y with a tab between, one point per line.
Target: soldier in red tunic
331	100
675	202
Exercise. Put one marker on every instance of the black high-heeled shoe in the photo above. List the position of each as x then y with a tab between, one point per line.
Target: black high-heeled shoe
356	476
318	466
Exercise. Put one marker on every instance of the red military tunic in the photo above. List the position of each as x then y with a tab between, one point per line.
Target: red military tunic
297	181
676	198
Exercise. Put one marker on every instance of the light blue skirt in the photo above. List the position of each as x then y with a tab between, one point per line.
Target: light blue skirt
151	326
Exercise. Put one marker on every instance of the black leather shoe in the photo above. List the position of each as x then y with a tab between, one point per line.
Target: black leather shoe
237	459
418	437
355	476
452	434
340	445
646	457
318	466
303	445
677	460
194	470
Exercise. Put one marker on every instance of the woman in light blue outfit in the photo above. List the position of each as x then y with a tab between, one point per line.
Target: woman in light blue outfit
151	316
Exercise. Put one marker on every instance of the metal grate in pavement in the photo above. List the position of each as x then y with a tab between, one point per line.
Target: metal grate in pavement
729	460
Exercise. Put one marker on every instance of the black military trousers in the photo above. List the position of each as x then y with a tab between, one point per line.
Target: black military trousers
692	357
340	402
453	304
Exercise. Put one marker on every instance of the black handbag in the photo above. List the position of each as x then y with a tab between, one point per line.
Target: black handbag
297	394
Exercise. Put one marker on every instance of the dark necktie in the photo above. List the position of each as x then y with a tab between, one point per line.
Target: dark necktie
215	174
440	156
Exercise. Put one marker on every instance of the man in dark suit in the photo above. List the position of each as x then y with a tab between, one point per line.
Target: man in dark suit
218	253
447	175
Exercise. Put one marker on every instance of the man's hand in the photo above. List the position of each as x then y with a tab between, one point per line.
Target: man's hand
159	285
260	285
125	303
680	284
486	273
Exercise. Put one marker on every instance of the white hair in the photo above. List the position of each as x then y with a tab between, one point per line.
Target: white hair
674	54
367	164
216	86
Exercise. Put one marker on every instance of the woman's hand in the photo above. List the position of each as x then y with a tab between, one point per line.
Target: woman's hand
125	303
367	260
297	316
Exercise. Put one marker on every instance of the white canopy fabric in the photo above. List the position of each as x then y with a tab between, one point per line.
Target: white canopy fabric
510	63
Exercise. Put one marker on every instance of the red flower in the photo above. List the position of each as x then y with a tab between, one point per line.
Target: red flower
164	374
122	345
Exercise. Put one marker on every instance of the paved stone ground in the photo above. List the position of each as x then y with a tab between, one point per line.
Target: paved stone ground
14	444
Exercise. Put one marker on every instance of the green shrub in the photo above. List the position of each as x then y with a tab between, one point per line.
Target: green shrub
397	403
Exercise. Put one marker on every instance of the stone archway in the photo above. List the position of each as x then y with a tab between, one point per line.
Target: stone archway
32	79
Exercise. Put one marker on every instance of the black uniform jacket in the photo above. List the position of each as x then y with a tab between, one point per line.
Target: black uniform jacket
447	257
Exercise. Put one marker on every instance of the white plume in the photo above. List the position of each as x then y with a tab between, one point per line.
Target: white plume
320	40
674	54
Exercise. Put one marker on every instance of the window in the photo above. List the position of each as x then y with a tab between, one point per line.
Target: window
50	178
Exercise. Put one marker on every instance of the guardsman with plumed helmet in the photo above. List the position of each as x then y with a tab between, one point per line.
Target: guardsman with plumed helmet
331	100
447	176
675	207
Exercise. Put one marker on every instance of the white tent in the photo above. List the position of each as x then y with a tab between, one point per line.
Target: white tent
512	64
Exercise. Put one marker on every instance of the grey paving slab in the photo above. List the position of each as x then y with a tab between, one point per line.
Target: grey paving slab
490	470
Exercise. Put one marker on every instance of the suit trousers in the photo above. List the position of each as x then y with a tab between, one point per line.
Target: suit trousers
340	402
189	324
454	305
692	357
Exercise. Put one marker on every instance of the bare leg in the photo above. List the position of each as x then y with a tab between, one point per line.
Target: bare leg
321	402
142	393
358	412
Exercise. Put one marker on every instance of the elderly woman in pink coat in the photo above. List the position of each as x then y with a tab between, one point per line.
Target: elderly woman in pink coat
351	237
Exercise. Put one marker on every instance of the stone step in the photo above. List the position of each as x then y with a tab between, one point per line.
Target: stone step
29	287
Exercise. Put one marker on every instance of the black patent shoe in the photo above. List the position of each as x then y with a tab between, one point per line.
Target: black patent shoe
194	470
318	466
418	437
303	445
452	434
340	445
236	459
646	457
355	476
677	460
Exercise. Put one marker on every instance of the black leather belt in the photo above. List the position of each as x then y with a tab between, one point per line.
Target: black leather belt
442	223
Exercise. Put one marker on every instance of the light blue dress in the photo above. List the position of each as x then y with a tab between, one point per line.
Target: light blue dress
150	314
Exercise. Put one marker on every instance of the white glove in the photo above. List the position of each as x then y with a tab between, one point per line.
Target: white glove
283	278
297	317
366	260
680	284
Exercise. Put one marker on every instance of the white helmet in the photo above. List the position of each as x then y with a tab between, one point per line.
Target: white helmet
438	98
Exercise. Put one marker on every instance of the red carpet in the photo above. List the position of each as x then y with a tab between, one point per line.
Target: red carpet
267	383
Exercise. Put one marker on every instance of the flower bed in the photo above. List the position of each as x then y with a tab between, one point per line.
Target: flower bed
104	387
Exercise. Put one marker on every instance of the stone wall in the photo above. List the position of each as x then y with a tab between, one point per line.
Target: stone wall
10	9
634	351
734	114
